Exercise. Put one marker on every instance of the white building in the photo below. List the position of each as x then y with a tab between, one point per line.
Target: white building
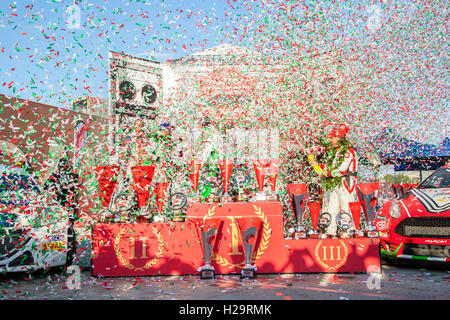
228	83
92	106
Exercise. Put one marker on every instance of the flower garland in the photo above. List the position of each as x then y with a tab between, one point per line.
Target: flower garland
329	183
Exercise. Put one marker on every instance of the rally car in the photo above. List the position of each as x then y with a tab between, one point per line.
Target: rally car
416	226
33	225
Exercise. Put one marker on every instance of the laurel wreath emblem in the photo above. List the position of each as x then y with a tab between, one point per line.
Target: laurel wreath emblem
150	263
323	264
266	233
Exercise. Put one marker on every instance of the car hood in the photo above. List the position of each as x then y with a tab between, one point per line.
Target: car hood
423	201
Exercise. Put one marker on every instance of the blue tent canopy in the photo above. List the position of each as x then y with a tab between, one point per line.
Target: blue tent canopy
406	154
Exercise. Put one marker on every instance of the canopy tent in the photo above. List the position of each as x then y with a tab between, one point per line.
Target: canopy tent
406	154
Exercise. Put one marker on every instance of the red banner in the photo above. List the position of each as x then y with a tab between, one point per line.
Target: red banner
314	211
142	176
160	190
194	174
355	209
107	180
226	167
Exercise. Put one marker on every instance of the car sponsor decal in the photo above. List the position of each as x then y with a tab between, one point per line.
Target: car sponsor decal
380	225
435	241
52	246
57	237
434	200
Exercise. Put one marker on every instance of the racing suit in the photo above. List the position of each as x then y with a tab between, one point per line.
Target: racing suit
339	197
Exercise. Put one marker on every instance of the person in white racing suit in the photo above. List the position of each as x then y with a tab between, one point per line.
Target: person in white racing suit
339	175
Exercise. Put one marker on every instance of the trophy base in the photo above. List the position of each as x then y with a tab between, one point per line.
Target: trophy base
314	235
344	235
324	236
196	199
110	219
177	216
248	273
142	219
104	219
144	212
159	218
212	199
371	234
106	215
357	234
242	197
207	274
300	235
260	197
272	197
123	218
227	198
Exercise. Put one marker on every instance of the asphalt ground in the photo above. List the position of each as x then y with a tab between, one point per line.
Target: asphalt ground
395	282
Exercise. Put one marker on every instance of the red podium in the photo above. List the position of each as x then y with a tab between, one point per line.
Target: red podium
175	249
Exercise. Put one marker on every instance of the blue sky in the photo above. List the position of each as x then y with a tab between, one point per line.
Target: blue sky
45	56
49	60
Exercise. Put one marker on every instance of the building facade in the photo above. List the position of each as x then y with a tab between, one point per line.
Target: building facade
233	87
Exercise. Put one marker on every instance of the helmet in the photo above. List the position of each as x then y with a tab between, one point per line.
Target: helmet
341	131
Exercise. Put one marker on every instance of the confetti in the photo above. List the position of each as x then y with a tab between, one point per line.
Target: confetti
294	67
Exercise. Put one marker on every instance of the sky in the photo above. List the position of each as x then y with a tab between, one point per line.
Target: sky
54	51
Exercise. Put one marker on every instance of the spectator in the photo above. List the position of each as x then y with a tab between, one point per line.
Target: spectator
64	183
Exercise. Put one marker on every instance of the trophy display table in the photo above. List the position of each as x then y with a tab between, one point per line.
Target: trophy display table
175	248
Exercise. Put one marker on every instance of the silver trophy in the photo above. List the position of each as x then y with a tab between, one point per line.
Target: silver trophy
369	211
122	201
298	200
208	237
103	175
239	181
272	176
226	168
259	166
355	209
248	239
107	213
177	202
322	225
194	176
344	222
211	178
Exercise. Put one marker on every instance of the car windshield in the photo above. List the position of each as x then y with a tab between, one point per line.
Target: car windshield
439	179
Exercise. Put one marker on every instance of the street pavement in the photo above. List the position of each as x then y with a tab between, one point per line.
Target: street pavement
408	282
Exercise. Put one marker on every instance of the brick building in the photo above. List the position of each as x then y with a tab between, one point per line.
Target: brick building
41	133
